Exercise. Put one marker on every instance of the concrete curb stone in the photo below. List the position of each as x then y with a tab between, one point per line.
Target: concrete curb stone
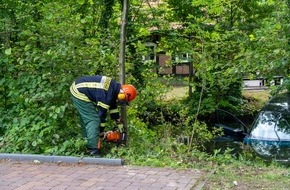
65	159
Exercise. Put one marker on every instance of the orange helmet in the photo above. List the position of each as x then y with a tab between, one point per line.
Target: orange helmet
129	92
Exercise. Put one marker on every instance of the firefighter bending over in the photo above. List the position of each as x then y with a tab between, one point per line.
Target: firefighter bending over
93	97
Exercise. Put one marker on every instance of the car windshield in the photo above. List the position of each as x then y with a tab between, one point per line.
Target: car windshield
272	126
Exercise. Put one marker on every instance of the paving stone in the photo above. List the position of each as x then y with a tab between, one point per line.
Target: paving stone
27	175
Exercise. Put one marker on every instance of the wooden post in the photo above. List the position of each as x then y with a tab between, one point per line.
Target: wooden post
190	78
122	57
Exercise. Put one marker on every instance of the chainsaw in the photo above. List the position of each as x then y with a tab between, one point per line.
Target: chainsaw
113	136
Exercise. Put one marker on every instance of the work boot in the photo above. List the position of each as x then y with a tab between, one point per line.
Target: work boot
95	152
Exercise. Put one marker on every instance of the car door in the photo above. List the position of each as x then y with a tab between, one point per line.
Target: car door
234	130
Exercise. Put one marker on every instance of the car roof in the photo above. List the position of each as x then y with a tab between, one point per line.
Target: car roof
279	103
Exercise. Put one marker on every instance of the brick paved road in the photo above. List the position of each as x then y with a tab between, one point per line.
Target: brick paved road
51	176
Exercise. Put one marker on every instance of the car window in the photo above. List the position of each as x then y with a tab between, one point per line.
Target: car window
283	128
271	126
226	119
264	127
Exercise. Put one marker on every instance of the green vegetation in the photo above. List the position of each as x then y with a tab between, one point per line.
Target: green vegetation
249	175
45	45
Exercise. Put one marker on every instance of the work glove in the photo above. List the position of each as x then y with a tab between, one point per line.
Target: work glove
118	121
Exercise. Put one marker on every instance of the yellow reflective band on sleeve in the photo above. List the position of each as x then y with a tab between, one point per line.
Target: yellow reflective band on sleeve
104	84
88	85
74	91
103	105
114	111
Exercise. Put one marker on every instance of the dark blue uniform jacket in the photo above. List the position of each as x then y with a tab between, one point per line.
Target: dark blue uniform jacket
101	90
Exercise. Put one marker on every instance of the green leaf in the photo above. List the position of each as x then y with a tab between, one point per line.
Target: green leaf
34	143
57	110
252	37
24	122
56	136
54	116
143	32
81	2
2	81
278	26
48	16
8	51
21	61
63	108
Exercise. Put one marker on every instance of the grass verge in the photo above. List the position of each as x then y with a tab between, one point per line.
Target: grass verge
249	176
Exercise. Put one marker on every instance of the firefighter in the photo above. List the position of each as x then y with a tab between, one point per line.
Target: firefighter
93	97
